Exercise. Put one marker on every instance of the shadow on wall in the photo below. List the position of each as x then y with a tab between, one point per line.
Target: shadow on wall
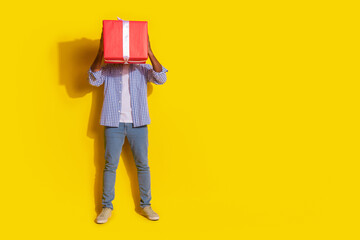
75	60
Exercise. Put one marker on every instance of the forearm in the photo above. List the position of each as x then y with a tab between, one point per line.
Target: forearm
97	77
96	66
155	63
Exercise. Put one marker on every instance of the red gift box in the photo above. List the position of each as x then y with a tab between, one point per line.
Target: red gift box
125	41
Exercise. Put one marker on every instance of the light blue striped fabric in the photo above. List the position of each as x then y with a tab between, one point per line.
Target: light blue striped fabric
111	76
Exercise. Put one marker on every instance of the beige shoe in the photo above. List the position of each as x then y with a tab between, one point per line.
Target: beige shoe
104	215
150	214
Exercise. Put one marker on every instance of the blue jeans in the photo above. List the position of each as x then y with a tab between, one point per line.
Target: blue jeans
114	140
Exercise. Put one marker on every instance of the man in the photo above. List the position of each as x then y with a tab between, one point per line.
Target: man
125	113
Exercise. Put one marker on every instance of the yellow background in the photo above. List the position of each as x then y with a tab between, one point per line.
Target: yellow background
255	134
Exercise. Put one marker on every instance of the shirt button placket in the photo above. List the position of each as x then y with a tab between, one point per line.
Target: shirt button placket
120	97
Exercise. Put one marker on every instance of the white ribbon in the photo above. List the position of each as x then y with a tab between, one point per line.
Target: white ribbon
126	40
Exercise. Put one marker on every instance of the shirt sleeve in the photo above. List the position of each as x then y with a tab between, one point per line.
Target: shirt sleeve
97	78
156	77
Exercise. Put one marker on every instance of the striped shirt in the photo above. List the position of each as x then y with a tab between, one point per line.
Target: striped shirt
111	76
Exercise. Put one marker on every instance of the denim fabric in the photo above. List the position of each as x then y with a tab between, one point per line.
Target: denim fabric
114	140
